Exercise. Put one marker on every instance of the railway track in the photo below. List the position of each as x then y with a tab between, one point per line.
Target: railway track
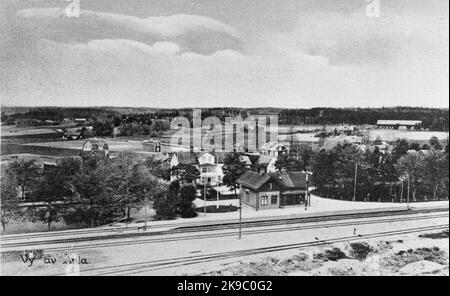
114	233
156	239
140	267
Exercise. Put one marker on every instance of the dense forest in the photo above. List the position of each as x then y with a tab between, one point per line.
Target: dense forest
432	118
435	119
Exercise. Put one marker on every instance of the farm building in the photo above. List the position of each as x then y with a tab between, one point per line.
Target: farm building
396	124
274	190
95	147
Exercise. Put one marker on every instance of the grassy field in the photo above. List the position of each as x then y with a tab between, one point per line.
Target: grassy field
411	136
8	149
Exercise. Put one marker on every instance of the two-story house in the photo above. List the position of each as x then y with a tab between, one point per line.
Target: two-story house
208	164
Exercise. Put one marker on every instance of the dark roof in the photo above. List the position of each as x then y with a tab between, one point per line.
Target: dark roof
187	157
289	180
253	180
220	156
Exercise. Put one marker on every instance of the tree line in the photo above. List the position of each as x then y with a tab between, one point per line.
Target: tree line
85	192
346	172
432	118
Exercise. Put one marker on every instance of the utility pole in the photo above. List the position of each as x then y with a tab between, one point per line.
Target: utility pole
407	196
401	192
354	187
307	197
240	216
204	196
217	184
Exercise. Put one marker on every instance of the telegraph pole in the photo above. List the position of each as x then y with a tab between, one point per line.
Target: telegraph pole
204	196
401	192
407	196
217	184
354	187
240	216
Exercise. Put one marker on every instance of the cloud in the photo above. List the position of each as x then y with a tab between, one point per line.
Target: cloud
323	58
357	39
195	33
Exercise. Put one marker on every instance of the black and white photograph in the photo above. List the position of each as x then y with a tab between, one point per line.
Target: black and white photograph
245	140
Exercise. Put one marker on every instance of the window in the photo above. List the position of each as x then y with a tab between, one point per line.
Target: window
264	200
273	199
204	170
247	195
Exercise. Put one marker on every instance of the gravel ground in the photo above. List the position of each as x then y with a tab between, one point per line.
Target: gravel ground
427	254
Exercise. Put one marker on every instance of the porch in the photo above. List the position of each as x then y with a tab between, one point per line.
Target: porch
292	198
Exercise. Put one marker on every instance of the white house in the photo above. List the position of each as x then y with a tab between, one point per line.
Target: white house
274	149
208	164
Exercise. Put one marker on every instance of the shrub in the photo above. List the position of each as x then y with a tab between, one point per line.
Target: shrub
436	235
334	254
165	209
360	251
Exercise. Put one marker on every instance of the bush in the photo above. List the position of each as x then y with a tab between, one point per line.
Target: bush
165	209
187	196
360	251
436	235
214	209
334	254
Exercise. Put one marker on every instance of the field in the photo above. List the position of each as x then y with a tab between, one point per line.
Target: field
47	141
411	136
114	145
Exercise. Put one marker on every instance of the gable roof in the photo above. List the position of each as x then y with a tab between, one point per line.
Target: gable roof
253	180
289	180
187	157
246	159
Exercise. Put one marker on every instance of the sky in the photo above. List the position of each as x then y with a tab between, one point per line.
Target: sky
225	53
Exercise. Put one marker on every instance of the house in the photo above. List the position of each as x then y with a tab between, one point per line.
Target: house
210	171
396	124
80	120
420	152
268	163
274	190
274	149
66	121
245	159
332	142
95	147
208	164
50	122
73	134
